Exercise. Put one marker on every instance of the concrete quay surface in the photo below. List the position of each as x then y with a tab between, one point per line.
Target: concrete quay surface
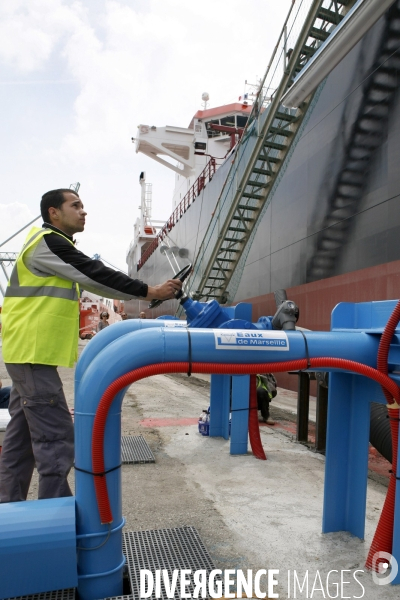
250	514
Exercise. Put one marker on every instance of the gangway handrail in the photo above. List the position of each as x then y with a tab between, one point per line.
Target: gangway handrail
283	33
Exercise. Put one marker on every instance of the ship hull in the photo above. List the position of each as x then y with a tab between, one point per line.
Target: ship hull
289	246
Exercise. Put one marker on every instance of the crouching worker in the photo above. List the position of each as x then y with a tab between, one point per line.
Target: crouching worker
40	319
266	390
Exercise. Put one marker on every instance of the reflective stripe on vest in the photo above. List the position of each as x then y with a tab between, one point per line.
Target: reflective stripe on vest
261	384
15	290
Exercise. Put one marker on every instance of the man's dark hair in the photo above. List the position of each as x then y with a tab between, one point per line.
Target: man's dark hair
54	198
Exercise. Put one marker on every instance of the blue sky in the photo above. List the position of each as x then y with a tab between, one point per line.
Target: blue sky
77	77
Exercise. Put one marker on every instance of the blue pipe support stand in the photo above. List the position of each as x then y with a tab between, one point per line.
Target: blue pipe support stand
347	440
224	387
230	399
155	346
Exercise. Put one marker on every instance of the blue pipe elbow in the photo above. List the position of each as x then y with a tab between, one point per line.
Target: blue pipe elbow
103	565
154	346
110	334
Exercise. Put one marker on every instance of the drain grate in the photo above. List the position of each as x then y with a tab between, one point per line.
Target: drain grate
59	595
134	450
170	549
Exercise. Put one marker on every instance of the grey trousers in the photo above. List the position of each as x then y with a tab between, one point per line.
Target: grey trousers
40	432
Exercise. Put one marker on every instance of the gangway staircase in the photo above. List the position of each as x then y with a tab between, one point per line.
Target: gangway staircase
262	151
367	134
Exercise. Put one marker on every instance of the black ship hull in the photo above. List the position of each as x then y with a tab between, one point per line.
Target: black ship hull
331	232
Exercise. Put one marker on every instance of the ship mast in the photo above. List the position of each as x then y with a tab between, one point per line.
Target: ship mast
145	205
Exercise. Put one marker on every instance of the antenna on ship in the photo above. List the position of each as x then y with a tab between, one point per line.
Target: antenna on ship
205	97
251	91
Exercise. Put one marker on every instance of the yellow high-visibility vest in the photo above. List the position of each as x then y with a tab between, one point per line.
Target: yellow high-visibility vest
40	314
261	384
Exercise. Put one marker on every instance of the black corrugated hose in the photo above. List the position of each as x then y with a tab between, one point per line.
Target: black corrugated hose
379	435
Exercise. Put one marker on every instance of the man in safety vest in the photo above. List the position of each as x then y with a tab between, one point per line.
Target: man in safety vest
40	320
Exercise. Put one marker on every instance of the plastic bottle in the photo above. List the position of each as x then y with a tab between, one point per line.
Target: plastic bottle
204	422
203	416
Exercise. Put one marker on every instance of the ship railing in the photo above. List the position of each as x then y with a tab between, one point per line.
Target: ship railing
154	226
205	176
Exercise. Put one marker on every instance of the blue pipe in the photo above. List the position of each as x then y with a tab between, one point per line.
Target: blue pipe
109	334
100	569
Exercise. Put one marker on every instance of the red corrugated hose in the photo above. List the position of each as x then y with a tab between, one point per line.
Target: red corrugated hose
254	427
223	369
383	538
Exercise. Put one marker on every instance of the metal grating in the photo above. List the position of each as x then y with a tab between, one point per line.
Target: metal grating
170	549
134	450
58	595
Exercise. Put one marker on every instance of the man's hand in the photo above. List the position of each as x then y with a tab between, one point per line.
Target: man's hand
164	291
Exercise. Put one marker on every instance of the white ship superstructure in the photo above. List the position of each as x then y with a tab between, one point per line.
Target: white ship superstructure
194	154
187	151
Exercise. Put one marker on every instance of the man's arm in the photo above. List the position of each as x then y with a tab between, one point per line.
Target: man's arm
54	255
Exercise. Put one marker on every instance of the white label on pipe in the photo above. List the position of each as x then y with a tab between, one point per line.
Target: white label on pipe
251	339
171	323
